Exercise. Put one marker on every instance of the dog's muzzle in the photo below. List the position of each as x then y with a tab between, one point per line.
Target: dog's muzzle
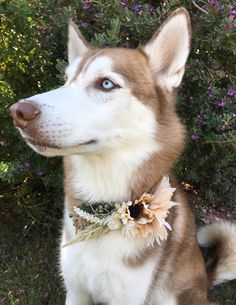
24	113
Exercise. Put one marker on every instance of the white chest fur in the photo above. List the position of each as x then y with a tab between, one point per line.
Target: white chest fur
96	268
107	176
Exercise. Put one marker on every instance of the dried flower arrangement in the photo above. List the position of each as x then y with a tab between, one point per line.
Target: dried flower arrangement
144	218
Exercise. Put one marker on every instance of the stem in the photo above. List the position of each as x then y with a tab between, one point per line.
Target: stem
219	142
198	7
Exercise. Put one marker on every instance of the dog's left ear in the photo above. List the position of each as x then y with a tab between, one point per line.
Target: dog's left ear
77	44
169	48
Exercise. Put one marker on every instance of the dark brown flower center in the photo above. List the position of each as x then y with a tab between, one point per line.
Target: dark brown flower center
135	210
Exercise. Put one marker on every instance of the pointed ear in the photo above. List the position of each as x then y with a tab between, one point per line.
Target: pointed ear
169	48
77	44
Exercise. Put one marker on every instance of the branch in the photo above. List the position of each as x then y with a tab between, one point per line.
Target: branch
198	7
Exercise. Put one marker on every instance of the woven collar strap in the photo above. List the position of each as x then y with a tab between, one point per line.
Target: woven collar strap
144	218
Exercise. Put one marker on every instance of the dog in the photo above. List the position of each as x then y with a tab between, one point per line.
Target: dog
115	124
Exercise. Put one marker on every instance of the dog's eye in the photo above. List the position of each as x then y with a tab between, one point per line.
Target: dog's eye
107	84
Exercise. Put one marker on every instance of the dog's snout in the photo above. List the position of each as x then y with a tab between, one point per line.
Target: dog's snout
24	112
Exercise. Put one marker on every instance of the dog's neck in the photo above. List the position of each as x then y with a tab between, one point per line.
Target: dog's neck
104	176
117	176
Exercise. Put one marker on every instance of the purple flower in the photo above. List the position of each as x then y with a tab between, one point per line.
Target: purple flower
84	25
123	2
209	92
230	92
201	123
137	8
26	164
201	119
40	173
221	103
223	216
194	137
87	6
228	26
215	4
233	14
2	299
97	15
151	8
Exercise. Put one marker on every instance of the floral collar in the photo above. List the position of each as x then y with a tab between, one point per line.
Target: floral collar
144	218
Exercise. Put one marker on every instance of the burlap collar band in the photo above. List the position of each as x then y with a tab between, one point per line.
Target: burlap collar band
145	218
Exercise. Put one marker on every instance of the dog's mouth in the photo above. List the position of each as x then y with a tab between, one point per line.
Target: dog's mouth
41	146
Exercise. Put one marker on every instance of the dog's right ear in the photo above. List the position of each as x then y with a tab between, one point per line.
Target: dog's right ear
169	48
77	44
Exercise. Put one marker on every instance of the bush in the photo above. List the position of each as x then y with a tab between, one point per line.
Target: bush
33	47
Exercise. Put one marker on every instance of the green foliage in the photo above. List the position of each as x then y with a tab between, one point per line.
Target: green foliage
28	265
33	37
208	105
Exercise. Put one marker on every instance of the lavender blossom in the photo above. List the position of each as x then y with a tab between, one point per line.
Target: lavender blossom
201	119
123	2
233	14
194	137
84	25
230	92
40	173
209	92
137	8
151	8
87	6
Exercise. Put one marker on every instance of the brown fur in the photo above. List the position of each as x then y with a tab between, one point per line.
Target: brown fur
182	265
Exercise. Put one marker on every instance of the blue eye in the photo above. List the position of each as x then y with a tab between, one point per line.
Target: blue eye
108	84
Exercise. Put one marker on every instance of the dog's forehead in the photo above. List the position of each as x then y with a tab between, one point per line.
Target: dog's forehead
126	63
97	64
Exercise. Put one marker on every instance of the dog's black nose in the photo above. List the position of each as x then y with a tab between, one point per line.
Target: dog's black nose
24	112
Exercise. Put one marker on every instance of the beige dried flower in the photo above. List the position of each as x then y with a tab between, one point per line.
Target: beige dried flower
145	217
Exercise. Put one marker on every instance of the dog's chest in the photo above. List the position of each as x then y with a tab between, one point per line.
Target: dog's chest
98	267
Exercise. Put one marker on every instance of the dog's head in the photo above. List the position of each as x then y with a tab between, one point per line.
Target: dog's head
112	98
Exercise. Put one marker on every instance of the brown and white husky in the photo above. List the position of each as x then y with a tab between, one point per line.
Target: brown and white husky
114	122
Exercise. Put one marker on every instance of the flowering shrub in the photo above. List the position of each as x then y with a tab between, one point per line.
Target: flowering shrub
33	48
